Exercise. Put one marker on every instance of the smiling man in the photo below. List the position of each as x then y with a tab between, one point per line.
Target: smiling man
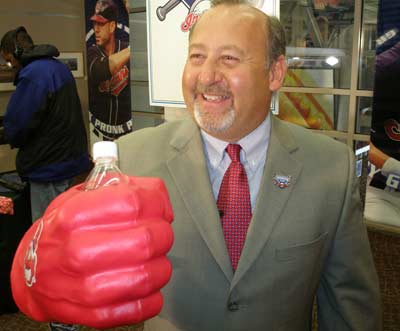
227	82
235	271
267	215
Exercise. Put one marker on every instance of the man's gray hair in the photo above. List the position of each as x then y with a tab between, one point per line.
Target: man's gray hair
276	40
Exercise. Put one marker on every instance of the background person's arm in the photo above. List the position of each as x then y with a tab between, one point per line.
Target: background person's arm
387	164
376	156
25	112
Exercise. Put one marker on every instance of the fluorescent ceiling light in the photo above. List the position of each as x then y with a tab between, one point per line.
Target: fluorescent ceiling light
332	60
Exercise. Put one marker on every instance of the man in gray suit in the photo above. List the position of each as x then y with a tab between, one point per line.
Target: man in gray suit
305	238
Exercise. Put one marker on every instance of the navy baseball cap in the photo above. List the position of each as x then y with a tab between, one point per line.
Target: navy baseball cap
105	11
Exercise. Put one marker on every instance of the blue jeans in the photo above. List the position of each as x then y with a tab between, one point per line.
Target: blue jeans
44	193
41	196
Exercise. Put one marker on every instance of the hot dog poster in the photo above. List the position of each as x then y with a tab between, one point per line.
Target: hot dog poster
168	24
313	111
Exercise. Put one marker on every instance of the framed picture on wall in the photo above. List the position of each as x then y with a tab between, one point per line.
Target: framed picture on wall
7	74
74	61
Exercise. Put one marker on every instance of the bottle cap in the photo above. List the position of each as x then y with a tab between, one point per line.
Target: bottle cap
105	149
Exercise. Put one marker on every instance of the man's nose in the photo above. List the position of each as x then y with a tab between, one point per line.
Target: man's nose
210	73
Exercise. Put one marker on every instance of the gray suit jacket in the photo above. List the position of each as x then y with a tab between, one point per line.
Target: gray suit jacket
303	240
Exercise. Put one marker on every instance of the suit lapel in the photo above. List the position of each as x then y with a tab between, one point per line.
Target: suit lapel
271	199
189	170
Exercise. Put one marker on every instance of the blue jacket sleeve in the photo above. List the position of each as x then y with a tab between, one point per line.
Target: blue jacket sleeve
24	112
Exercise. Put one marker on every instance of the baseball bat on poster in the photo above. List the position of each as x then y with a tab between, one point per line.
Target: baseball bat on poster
162	11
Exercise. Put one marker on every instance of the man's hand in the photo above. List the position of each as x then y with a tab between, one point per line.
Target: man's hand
97	258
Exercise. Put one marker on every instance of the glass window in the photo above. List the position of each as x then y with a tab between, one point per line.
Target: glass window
319	38
368	44
361	149
364	115
314	111
310	78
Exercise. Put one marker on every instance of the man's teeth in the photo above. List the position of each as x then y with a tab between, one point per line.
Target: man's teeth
214	97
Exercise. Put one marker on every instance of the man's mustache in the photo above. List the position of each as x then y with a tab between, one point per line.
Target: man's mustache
213	89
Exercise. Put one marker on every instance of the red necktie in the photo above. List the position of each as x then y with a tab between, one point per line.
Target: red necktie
234	205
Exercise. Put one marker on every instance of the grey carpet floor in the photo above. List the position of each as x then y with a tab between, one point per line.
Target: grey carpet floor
20	322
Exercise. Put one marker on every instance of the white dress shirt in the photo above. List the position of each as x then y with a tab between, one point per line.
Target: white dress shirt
252	156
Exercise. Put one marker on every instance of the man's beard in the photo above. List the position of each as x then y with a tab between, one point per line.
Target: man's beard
210	123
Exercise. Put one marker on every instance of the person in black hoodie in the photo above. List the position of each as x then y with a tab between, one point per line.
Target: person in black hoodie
43	119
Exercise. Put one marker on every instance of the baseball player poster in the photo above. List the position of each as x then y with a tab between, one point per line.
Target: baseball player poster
382	199
385	126
168	25
108	59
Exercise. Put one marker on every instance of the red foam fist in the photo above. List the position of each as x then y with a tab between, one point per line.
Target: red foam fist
97	258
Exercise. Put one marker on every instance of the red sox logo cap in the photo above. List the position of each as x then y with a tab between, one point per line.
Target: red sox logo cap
105	11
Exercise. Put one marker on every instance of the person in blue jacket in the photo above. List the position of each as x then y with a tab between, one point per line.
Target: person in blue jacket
43	119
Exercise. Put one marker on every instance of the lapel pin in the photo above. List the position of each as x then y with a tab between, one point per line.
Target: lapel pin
281	181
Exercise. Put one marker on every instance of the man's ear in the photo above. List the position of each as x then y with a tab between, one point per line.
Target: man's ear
113	26
277	73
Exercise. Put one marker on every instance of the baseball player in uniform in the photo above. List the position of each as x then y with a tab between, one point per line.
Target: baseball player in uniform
108	74
383	194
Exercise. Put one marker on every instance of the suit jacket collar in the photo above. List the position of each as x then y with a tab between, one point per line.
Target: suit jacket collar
271	199
189	169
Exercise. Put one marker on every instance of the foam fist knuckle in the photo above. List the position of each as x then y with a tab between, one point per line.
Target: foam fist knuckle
74	256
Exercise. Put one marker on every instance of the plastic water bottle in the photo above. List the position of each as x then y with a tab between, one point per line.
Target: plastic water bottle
105	171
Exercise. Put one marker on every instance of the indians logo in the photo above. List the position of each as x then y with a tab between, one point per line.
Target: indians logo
282	181
195	8
117	83
392	129
31	258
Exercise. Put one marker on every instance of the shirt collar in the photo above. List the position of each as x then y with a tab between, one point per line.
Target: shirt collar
254	146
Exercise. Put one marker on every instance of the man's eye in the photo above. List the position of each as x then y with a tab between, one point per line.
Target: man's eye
196	56
230	58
